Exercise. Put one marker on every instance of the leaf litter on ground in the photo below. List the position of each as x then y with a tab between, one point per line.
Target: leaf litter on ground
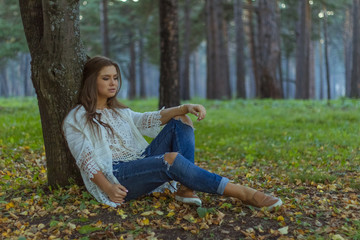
305	152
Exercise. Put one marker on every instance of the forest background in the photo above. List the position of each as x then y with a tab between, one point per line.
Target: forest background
311	47
306	152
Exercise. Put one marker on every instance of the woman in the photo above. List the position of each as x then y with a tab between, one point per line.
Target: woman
117	164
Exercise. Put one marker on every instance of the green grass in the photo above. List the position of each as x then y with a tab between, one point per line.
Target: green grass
307	140
305	152
20	123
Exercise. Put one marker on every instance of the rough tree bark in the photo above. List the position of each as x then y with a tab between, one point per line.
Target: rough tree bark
280	61
225	63
240	65
185	75
104	28
53	36
303	50
253	48
269	50
355	73
169	60
326	51
218	82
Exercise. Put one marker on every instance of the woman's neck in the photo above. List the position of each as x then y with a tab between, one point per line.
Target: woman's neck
101	104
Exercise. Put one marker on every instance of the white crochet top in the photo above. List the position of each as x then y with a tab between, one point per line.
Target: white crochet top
93	153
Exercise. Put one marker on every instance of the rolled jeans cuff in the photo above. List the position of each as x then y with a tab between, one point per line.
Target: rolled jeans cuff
224	181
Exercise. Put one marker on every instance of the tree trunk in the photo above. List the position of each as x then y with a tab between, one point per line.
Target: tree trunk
312	71
253	49
269	50
141	66
24	72
185	76
169	60
218	82
240	56
355	73
280	73
225	62
280	65
287	57
348	35
104	28
53	36
4	86
196	82
132	66
321	71
326	50
303	51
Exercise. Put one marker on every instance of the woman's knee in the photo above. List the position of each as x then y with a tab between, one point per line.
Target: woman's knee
185	119
170	157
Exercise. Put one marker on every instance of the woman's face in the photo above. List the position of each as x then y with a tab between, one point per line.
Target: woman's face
107	83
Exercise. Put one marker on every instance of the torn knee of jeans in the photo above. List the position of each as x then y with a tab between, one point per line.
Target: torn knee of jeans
185	120
167	164
169	159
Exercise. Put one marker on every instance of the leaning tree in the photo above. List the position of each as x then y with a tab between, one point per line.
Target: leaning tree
53	36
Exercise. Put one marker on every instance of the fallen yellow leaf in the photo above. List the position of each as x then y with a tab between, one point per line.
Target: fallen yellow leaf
170	214
147	213
9	205
143	221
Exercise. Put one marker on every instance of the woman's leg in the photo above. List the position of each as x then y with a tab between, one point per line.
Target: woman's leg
248	196
252	197
144	175
176	136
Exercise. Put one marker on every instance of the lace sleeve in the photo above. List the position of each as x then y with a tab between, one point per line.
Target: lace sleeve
82	150
148	123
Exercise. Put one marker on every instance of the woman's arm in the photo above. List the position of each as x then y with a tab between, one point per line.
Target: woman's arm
115	192
196	109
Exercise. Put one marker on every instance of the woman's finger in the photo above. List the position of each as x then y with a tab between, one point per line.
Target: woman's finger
118	200
120	193
122	187
202	112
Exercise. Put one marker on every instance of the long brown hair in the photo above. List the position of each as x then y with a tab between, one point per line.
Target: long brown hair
88	90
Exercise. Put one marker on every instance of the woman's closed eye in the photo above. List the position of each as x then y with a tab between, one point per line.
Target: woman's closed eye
107	78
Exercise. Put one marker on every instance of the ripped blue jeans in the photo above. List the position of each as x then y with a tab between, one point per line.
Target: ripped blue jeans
144	175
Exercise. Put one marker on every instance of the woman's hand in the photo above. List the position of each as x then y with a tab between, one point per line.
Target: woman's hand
196	109
169	113
116	193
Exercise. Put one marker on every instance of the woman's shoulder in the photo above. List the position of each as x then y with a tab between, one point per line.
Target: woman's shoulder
76	114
